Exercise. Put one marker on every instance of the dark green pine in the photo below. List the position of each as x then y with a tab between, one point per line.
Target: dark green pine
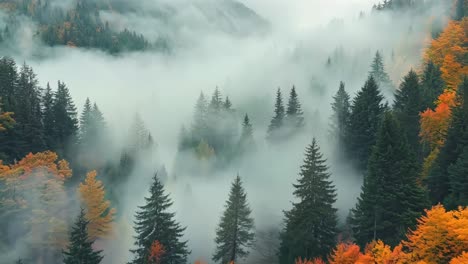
458	175
366	113
310	226
235	234
80	250
48	118
457	139
294	113
432	85
340	117
391	199
277	121
153	223
86	122
407	107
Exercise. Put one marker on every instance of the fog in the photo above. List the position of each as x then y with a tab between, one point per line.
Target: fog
163	88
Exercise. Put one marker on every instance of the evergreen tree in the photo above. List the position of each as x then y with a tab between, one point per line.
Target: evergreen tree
380	75
407	106
432	85
457	139
216	101
86	122
227	103
459	13
310	226
66	122
391	199
234	234
8	83
295	116
200	119
48	118
340	118
276	124
458	175
246	140
155	223
80	250
366	112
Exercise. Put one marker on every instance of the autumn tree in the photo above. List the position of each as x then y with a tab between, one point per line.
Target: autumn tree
80	250
154	222
345	253
156	253
98	212
234	235
310	226
366	113
391	198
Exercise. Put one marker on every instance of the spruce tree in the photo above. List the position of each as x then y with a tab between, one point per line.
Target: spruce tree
295	116
457	139
407	107
153	223
340	118
216	101
310	226
432	85
86	122
458	176
234	235
366	112
277	122
80	249
8	84
247	141
391	199
380	75
48	118
227	103
200	119
66	121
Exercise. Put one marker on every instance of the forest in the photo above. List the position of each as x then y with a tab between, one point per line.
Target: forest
259	139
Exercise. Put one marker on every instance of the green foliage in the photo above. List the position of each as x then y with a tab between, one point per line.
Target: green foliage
277	122
310	226
432	85
153	223
380	75
340	118
80	249
294	114
391	199
234	234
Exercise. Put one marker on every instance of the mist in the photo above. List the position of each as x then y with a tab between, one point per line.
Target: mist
292	48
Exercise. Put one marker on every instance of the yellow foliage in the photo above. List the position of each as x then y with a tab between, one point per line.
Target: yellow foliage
98	211
463	259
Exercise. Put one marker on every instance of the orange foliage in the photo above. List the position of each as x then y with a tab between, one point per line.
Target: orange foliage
200	262
345	254
463	259
98	211
439	237
6	121
434	124
156	252
314	261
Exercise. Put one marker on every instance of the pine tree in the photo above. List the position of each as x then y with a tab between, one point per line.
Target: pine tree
310	226
457	139
155	223
48	118
276	124
340	118
247	141
216	101
458	175
380	75
66	122
432	85
391	199
366	112
80	249
295	116
227	103
407	106
8	83
200	119
86	122
234	234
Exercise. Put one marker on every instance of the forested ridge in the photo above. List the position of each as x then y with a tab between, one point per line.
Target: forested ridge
62	195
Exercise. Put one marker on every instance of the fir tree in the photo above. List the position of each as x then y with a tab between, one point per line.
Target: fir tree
276	124
391	199
86	122
80	249
246	140
366	112
432	85
216	101
310	226
227	103
407	106
234	234
380	75
155	223
48	117
340	118
295	116
8	83
457	139
458	175
200	119
66	122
